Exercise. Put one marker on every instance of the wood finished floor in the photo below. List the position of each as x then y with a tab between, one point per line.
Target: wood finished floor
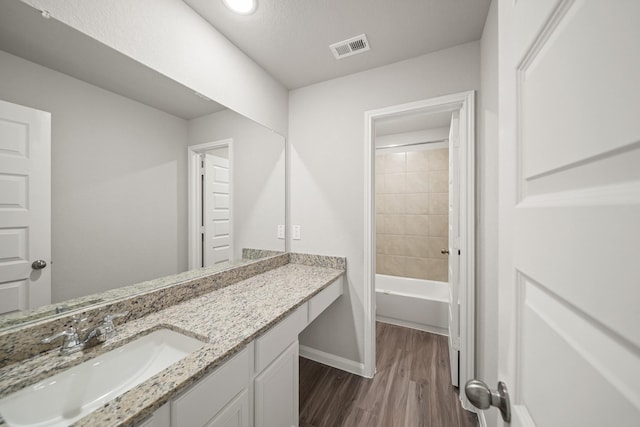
412	387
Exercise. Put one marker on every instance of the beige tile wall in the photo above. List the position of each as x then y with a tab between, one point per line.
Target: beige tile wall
411	214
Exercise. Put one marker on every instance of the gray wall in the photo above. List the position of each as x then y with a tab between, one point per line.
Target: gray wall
487	210
258	177
119	200
172	39
326	133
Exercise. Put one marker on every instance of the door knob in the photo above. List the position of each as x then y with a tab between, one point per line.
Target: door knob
39	264
444	251
482	397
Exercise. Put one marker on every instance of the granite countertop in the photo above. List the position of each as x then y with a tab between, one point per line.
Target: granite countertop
227	319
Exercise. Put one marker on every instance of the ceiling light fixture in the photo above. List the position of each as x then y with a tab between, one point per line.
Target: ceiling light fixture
242	7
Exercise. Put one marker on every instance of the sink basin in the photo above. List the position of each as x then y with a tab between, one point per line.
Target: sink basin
70	395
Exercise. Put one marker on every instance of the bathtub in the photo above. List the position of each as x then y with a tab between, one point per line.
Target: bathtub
414	303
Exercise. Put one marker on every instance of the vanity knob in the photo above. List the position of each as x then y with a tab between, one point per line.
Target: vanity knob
39	264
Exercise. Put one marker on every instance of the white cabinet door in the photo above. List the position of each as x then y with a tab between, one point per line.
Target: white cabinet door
276	391
204	403
570	211
160	418
235	414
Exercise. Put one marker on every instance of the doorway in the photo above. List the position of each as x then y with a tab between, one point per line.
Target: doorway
210	203
460	240
412	219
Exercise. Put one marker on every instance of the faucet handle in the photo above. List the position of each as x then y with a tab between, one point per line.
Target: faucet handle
66	333
108	328
70	338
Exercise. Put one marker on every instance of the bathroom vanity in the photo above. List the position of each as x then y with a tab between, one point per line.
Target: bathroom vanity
246	373
260	383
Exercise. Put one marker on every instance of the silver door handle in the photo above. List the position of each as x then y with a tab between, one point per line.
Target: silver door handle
482	397
444	251
38	264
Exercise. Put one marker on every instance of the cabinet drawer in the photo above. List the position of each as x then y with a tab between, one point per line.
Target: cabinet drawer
324	299
205	399
274	342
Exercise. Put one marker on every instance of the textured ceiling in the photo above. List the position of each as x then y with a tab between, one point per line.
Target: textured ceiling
290	38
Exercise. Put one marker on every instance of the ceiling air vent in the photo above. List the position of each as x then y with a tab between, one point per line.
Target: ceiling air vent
350	47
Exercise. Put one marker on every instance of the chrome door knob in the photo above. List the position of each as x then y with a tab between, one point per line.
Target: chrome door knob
444	251
482	397
39	264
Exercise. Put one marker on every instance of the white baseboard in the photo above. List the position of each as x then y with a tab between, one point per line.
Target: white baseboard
481	419
419	326
332	360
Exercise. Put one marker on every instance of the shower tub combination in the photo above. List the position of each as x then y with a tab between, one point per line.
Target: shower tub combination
414	303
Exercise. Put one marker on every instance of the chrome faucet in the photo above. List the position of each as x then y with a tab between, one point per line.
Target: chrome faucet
71	340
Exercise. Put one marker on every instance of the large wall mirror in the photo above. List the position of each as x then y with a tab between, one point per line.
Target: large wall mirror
147	178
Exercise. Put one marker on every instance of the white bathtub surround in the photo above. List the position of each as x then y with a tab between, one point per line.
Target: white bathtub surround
414	303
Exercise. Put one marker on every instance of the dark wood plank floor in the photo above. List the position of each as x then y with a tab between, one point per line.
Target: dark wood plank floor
412	387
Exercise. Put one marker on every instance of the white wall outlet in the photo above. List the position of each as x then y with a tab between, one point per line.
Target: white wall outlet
296	232
281	232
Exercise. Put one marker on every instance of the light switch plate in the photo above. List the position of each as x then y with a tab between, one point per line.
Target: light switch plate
296	232
280	231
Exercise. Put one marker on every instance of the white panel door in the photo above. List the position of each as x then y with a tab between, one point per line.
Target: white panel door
25	207
454	246
217	241
569	281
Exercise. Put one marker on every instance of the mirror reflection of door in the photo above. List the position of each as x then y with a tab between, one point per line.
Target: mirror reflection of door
216	207
25	207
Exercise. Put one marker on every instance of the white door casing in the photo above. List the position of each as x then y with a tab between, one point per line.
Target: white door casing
217	243
569	237
25	207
